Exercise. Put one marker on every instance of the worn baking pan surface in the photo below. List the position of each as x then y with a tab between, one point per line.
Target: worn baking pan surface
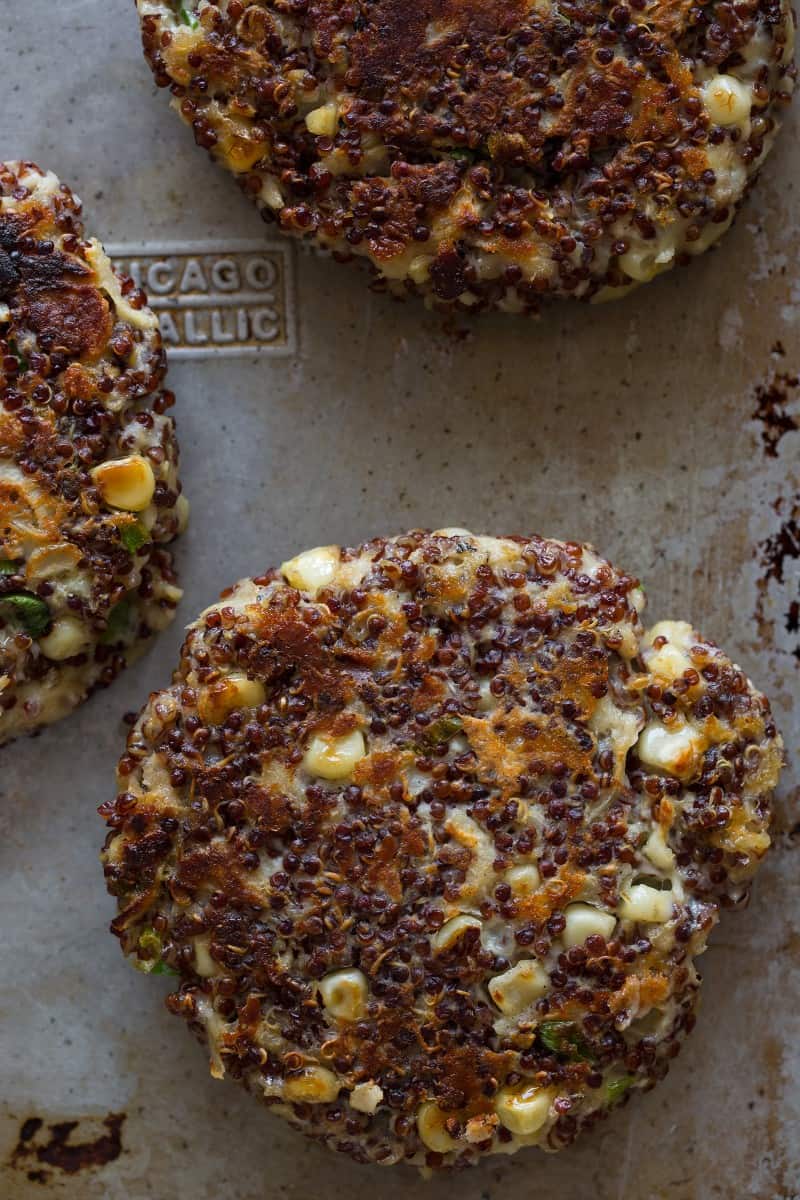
664	429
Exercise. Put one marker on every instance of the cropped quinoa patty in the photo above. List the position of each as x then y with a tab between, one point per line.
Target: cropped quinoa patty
485	153
89	491
431	832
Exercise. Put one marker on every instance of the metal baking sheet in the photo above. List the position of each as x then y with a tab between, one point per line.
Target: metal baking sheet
663	429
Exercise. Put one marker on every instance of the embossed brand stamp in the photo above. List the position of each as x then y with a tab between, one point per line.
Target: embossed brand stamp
212	299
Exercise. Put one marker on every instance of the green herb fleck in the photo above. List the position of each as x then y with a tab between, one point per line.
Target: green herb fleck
186	17
152	947
21	359
162	968
439	731
150	942
561	1037
616	1088
8	567
119	619
133	536
462	155
28	611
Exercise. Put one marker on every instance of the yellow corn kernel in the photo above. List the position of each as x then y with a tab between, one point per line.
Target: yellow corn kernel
657	850
524	880
670	660
271	193
432	1130
315	1085
452	930
365	1097
225	695
517	988
668	663
674	751
677	633
644	265
126	483
646	904
68	637
313	569
523	1109
242	151
334	757
344	994
728	101
583	920
323	121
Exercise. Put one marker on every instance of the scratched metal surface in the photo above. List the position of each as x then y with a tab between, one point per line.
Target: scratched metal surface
631	426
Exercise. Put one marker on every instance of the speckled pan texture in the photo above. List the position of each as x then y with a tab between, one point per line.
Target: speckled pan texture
485	155
431	831
89	489
663	430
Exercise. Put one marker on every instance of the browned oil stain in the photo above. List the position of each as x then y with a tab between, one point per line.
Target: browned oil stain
57	1148
778	412
772	410
774	553
781	546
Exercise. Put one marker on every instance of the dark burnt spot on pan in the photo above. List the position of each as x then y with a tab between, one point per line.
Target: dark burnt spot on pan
776	554
775	400
63	1147
782	548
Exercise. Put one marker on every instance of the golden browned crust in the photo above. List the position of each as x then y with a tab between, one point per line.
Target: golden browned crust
83	581
432	832
485	153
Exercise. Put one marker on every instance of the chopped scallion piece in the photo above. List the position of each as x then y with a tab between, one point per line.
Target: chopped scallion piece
440	731
119	619
133	536
162	968
153	947
561	1037
31	613
186	17
616	1088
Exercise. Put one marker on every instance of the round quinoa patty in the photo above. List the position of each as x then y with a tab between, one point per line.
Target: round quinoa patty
89	491
485	153
431	832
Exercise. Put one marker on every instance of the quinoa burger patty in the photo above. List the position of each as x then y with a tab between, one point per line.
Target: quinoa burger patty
485	153
89	492
431	832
